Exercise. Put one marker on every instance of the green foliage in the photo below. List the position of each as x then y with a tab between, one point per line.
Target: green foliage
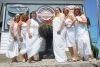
45	30
95	51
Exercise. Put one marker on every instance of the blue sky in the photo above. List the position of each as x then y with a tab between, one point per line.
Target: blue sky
92	13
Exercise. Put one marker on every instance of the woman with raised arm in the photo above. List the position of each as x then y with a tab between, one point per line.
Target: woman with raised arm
70	33
34	40
82	34
12	51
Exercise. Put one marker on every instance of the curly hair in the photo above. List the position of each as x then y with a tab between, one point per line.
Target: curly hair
24	17
17	18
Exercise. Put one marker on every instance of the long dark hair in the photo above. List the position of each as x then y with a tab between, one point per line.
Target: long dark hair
33	12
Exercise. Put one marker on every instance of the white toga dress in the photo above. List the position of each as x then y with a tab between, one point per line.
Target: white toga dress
35	42
23	44
13	45
83	40
59	45
70	33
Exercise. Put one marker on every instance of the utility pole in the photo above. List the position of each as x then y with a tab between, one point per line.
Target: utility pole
98	10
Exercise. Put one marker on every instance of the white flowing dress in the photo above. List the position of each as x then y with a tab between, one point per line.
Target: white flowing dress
13	45
83	40
59	45
23	44
34	43
70	33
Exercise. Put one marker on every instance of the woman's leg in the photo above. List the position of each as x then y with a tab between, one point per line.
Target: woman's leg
73	53
25	57
36	57
14	59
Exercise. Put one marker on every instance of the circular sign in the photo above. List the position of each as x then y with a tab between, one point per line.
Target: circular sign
45	13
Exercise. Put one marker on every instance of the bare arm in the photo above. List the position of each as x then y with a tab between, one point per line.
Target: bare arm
62	21
28	26
19	28
73	19
11	29
84	19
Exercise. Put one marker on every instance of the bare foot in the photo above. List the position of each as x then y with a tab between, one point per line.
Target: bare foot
74	59
14	60
90	60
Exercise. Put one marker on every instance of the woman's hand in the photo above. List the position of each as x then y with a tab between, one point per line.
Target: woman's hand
58	32
79	19
68	26
30	35
15	38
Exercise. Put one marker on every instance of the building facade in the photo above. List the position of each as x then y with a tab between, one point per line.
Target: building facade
8	8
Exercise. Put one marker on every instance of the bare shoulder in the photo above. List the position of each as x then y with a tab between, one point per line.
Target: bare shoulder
28	21
83	15
71	16
53	17
61	14
12	24
20	23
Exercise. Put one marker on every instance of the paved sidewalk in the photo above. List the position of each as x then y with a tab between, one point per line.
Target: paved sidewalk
51	63
5	62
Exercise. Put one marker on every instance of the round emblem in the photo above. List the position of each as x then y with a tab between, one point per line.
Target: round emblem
45	13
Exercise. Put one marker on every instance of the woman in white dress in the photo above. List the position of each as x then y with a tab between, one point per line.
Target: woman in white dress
70	33
34	40
58	43
82	34
12	51
22	31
